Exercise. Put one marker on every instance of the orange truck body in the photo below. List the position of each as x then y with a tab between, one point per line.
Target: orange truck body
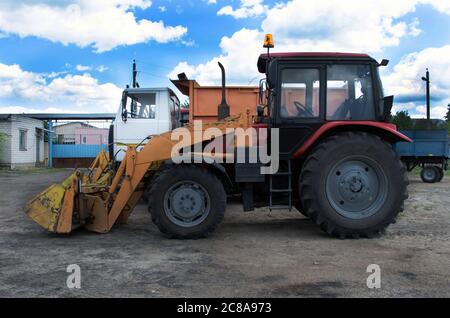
204	100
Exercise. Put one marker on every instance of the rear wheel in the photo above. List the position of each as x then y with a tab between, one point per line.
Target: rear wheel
186	201
300	208
353	184
430	174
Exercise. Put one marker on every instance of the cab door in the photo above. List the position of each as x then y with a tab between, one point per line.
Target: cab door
299	110
141	121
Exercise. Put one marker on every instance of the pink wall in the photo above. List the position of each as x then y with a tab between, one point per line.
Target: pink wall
93	136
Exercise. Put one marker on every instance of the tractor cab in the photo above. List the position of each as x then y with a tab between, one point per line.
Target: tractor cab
323	86
304	91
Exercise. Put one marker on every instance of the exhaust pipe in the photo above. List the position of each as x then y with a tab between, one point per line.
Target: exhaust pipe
223	110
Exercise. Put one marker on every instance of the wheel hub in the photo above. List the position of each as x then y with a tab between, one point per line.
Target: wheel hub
187	204
355	188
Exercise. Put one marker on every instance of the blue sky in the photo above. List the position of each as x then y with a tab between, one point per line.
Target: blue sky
75	55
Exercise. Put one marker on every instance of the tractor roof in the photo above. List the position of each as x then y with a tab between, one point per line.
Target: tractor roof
332	56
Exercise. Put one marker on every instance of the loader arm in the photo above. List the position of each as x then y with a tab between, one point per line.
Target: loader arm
102	197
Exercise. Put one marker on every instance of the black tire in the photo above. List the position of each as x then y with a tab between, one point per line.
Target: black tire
166	199
375	176
299	207
441	174
429	174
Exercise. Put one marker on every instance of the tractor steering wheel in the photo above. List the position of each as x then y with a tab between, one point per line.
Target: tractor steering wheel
302	110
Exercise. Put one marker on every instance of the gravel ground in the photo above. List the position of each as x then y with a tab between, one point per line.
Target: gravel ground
258	254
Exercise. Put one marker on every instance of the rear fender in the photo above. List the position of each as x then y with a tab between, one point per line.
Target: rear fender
385	131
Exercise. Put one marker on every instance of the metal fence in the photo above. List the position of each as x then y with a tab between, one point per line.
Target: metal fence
77	151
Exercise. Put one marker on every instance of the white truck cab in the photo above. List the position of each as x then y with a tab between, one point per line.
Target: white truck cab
143	112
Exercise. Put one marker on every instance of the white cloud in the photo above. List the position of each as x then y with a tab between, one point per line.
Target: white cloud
76	93
162	8
438	112
441	5
321	25
244	43
103	24
82	68
212	1
102	69
330	25
28	110
247	8
406	84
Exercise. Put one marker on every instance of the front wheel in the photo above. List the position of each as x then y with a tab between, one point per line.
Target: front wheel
353	184
186	201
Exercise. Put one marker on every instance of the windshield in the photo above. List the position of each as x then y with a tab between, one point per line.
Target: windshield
141	105
349	92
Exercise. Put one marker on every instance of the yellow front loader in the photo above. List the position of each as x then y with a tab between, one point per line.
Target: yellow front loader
103	197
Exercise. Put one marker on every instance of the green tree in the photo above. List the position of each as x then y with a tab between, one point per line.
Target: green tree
447	118
402	120
3	137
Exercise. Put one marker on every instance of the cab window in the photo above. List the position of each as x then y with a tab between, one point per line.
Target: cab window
300	91
349	93
142	106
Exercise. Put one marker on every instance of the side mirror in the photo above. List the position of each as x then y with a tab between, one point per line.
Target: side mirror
384	62
388	102
124	106
271	73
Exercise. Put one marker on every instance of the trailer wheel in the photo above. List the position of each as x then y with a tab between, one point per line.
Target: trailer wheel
353	184
186	201
441	174
430	174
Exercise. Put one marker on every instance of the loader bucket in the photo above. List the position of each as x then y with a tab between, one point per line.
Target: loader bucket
53	208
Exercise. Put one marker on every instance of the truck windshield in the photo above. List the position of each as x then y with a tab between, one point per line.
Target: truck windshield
141	105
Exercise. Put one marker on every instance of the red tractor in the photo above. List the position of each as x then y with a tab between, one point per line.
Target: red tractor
337	163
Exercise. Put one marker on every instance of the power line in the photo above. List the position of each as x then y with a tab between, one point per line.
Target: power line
154	65
151	74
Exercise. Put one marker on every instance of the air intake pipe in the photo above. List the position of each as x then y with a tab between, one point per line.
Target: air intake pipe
223	110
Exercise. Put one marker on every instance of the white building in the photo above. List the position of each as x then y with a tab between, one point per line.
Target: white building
21	141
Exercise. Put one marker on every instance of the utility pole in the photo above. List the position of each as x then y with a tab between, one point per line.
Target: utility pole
134	73
426	79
